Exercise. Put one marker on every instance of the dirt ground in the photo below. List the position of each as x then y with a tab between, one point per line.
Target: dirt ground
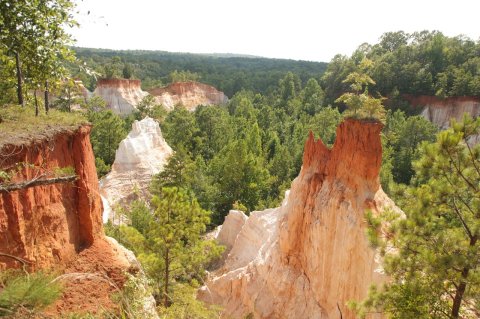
90	282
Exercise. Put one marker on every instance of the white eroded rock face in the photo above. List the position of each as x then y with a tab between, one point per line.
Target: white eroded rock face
142	154
189	94
310	256
441	111
232	225
121	95
441	114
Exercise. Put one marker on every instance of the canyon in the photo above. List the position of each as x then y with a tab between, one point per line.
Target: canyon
310	256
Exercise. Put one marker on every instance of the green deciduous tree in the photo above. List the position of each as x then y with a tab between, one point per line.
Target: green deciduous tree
127	70
183	76
359	102
402	136
32	34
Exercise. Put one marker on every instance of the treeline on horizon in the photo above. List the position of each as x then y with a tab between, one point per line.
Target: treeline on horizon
229	74
419	63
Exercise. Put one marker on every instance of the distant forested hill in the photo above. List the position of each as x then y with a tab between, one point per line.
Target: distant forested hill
228	73
419	63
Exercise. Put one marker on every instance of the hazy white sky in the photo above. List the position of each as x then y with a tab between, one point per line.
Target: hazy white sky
292	29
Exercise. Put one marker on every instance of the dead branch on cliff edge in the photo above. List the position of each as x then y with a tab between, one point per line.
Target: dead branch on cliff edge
36	182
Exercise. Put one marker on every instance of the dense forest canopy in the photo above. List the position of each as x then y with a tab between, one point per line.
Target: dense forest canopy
228	73
420	63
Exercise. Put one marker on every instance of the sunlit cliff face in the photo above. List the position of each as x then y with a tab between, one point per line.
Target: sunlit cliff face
309	257
120	95
188	94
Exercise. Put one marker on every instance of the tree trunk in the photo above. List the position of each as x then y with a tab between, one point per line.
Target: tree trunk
19	80
167	275
457	300
47	105
36	102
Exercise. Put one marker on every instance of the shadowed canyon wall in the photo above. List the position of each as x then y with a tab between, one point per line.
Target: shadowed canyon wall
48	224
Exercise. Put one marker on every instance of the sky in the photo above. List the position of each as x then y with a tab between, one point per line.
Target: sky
290	29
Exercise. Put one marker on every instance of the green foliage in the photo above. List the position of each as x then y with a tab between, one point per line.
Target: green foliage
21	292
33	39
176	226
435	272
107	132
127	71
373	229
148	107
420	63
174	174
64	171
179	129
239	175
313	97
183	76
102	168
402	136
112	68
166	237
186	306
230	74
360	104
68	94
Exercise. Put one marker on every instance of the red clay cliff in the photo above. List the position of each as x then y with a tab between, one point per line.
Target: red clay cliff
59	226
48	224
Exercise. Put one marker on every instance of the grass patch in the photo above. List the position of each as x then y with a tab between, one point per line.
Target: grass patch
19	123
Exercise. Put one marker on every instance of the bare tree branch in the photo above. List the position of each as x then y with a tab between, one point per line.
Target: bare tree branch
36	182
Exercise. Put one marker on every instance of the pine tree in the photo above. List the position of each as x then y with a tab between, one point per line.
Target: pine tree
175	229
436	269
